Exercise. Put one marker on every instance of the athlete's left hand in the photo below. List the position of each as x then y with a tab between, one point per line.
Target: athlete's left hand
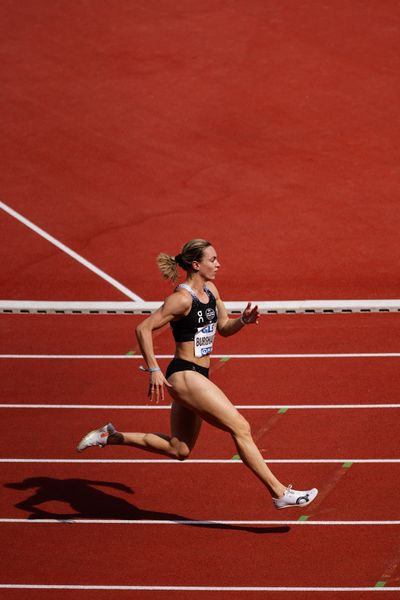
250	315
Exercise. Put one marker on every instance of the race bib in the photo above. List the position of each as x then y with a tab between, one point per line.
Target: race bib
204	340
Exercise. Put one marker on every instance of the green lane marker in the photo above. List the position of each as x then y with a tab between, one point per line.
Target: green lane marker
235	457
282	411
380	584
130	352
225	359
347	465
303	518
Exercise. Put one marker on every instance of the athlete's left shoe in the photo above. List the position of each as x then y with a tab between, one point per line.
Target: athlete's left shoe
97	437
294	498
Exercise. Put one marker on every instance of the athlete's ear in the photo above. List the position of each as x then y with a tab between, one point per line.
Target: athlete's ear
195	265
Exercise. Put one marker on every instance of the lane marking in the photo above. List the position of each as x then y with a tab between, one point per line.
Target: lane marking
119	286
221	357
392	570
326	489
199	461
192	588
301	521
168	406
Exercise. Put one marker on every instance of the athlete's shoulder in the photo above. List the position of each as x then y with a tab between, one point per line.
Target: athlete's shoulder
178	303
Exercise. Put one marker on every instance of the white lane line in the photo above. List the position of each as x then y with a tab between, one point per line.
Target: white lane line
204	461
119	286
284	407
194	522
214	356
192	588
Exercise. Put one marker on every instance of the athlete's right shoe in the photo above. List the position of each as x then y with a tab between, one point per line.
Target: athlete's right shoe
97	437
294	498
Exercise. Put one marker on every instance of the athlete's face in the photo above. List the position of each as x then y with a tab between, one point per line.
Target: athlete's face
209	265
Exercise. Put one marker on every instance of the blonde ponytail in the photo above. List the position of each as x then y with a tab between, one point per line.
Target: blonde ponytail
167	266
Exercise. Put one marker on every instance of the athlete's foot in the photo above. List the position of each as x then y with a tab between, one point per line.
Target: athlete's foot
97	437
294	498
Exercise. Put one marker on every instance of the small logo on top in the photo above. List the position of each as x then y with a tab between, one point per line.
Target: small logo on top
210	314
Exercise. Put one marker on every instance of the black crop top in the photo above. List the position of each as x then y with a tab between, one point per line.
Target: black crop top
201	317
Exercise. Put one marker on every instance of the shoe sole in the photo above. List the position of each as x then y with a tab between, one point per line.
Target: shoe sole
110	430
83	440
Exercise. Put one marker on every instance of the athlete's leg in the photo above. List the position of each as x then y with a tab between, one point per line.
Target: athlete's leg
185	427
202	396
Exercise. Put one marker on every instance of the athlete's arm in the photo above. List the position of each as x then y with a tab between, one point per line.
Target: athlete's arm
175	305
229	326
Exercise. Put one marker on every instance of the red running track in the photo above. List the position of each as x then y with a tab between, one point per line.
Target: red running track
217	492
125	125
191	491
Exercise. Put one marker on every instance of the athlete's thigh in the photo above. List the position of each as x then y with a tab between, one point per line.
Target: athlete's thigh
185	423
205	398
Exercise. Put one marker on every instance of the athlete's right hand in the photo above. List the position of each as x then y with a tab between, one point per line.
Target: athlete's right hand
156	386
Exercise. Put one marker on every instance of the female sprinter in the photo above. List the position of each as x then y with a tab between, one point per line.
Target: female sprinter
195	312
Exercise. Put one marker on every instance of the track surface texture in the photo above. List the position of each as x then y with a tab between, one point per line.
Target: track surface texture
270	128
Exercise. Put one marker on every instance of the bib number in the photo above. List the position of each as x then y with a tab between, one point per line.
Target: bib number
204	340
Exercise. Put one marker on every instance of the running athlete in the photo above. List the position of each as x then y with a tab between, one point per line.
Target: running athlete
195	312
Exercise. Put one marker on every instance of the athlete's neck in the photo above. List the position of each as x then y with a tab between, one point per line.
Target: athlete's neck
197	283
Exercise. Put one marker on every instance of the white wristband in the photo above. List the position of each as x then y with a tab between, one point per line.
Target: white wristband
153	370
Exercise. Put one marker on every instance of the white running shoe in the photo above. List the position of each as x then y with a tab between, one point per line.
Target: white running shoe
97	437
294	498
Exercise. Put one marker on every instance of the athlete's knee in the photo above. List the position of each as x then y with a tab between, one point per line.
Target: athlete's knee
241	428
179	450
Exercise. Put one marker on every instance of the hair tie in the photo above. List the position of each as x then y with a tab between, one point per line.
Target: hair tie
178	260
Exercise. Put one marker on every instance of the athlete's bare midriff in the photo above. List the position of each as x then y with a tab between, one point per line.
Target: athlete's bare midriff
184	350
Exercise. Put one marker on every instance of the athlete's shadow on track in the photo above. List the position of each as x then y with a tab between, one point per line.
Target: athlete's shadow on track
88	502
